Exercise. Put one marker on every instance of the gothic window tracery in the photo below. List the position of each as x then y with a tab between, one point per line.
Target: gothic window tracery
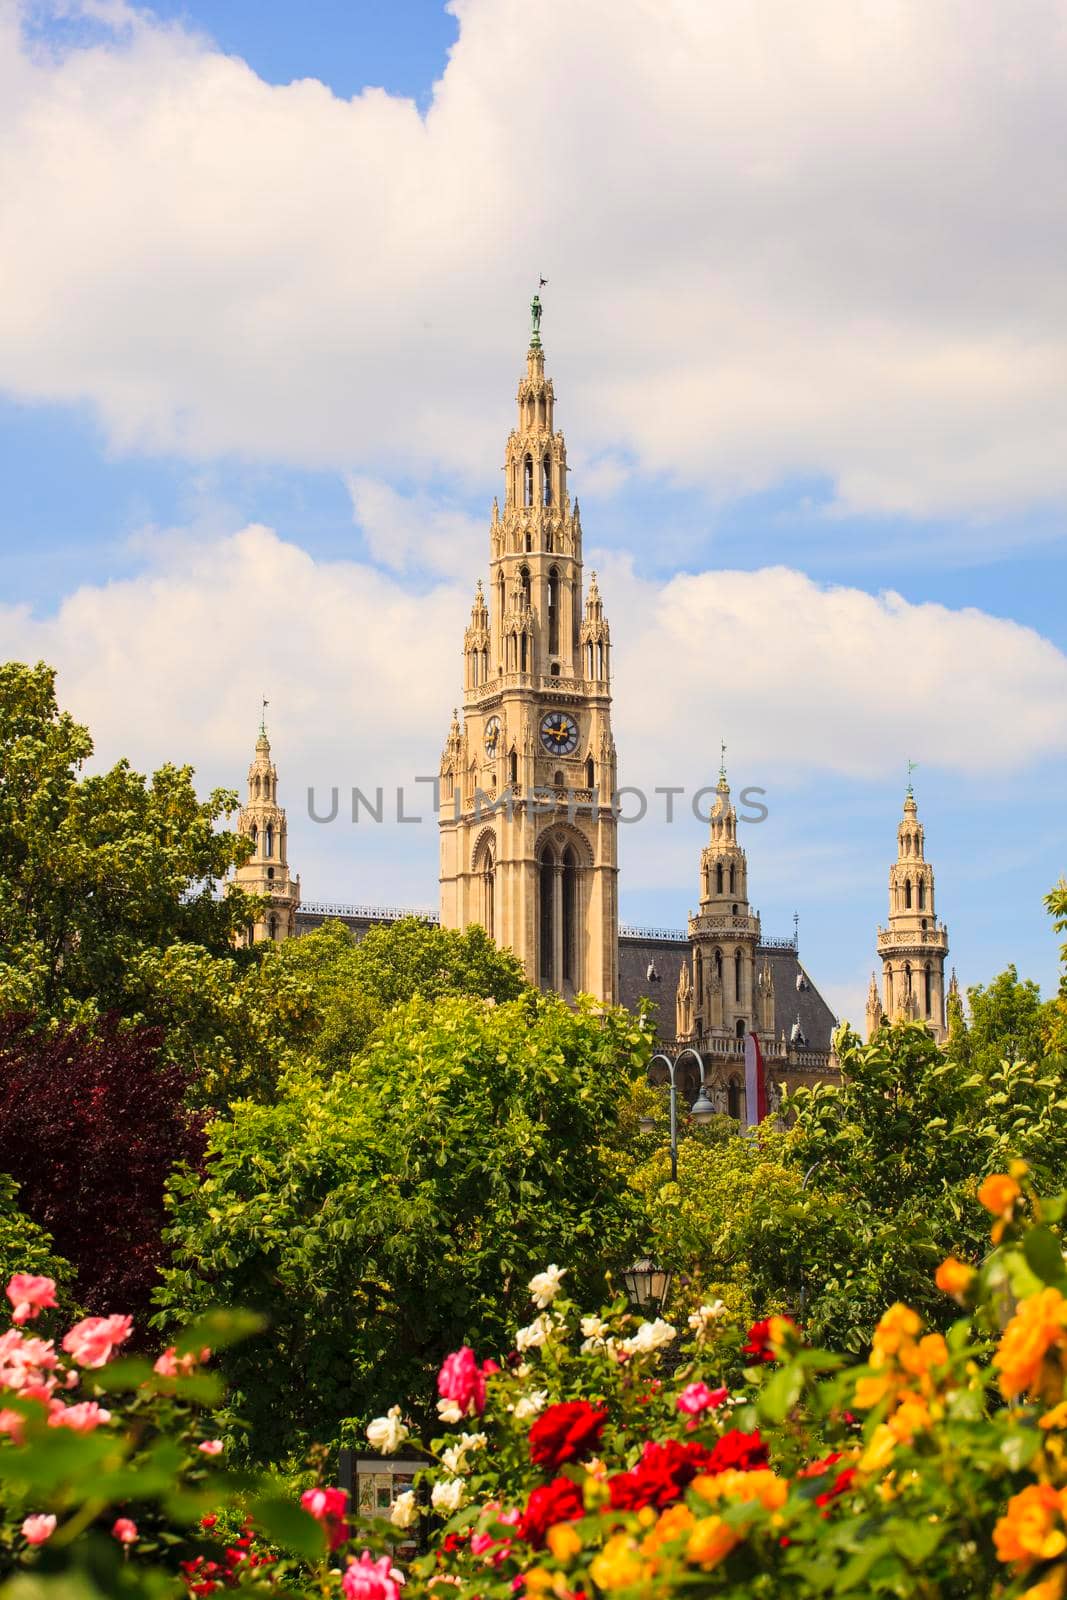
527	481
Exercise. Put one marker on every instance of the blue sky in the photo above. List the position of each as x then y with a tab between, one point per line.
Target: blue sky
266	266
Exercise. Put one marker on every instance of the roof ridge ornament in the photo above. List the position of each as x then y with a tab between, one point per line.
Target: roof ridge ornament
535	320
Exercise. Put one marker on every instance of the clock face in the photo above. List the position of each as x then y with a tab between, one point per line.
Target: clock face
492	735
559	733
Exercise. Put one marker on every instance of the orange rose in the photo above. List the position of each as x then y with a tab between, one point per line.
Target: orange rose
1031	1528
998	1194
954	1277
1038	1327
710	1542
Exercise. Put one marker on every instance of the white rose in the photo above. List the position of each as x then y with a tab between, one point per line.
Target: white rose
473	1441
449	1411
594	1328
448	1494
533	1336
405	1510
545	1286
701	1319
650	1336
531	1404
386	1434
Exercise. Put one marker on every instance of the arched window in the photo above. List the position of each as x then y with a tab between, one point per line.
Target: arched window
553	611
739	1028
570	918
524	664
489	893
590	773
698	976
737	975
499	598
475	665
546	479
547	921
718	965
268	840
528	542
589	660
907	894
922	895
527	481
718	877
273	925
928	982
554	670
733	1099
907	977
524	584
253	834
600	658
513	767
558	780
250	934
731	880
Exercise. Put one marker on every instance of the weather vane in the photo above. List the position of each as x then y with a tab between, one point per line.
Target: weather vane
911	768
263	716
722	759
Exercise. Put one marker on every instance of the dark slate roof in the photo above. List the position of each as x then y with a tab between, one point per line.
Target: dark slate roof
638	952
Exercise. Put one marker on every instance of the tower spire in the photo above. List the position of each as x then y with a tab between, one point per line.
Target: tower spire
913	946
266	871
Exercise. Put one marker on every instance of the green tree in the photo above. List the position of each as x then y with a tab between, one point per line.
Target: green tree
1008	1024
352	984
1056	1016
24	1247
397	1210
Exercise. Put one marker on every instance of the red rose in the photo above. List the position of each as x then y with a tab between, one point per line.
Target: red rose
661	1476
743	1452
558	1501
565	1432
841	1480
758	1344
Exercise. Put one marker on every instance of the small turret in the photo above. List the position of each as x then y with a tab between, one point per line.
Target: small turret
266	872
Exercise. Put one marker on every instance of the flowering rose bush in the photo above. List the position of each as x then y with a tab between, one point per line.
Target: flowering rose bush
625	1457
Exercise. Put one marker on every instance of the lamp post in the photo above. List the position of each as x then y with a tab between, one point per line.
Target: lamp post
647	1285
702	1110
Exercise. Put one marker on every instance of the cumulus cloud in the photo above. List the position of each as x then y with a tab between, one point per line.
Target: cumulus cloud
803	680
781	239
415	532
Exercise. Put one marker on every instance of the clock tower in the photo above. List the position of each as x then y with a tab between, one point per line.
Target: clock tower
527	821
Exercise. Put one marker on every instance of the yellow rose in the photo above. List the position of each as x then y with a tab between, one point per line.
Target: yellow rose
1038	1326
998	1194
619	1566
763	1486
564	1541
1056	1418
710	1542
879	1451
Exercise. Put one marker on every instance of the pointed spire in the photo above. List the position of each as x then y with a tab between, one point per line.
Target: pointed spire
722	763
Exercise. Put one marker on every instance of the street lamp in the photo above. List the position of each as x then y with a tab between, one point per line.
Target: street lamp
702	1111
647	1285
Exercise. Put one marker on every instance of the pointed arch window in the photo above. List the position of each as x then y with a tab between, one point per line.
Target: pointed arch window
524	663
268	840
513	767
922	895
570	918
553	611
732	890
253	834
718	965
546	479
928	989
733	1099
489	892
273	925
524	583
546	961
718	877
738	975
590	773
907	894
527	481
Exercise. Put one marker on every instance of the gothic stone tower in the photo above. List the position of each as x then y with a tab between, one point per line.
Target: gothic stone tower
726	995
914	946
528	830
266	871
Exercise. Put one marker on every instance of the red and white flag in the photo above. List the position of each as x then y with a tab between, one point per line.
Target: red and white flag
755	1082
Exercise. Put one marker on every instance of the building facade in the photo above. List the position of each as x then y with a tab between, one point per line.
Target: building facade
266	872
914	945
527	826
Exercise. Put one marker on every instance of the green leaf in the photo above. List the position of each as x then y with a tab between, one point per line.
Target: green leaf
290	1526
1044	1255
218	1330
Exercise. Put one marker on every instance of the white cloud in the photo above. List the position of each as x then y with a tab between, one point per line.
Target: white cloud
820	239
804	681
406	532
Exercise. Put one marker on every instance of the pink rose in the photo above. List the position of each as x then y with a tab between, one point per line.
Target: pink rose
462	1381
91	1342
171	1365
29	1295
125	1531
82	1418
210	1447
697	1397
12	1423
367	1579
328	1507
36	1529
